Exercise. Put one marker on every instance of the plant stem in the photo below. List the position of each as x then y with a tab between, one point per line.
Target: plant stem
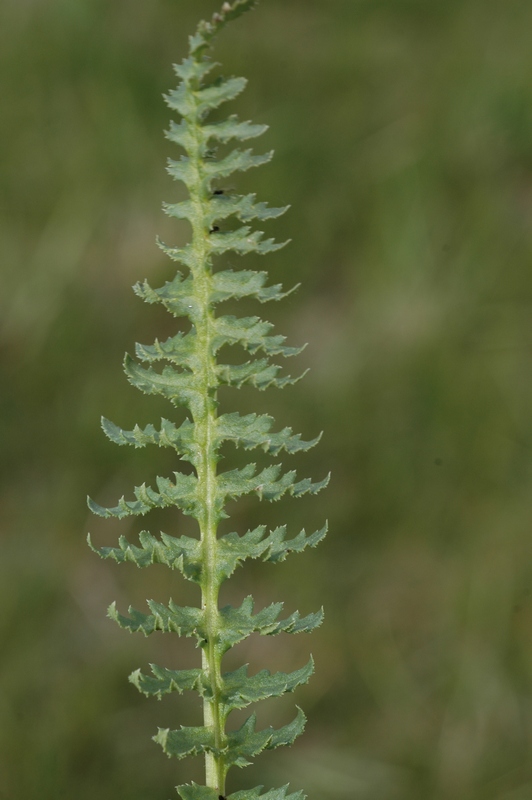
205	421
211	656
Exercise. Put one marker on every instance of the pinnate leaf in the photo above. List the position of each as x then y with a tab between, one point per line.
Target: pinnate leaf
191	379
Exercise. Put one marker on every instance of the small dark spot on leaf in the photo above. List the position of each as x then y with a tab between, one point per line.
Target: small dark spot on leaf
218	192
215	229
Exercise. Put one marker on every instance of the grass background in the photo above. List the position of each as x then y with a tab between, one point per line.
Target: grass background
403	138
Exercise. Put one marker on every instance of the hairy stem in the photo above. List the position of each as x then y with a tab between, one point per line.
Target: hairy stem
205	420
211	656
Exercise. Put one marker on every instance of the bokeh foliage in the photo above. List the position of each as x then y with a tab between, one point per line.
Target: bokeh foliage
403	138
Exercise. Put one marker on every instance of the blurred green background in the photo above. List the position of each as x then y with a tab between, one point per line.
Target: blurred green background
403	138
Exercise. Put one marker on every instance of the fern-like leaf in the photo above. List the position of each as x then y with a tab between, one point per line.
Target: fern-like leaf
186	370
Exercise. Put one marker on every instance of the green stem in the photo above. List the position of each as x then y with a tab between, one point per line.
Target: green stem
211	655
205	421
